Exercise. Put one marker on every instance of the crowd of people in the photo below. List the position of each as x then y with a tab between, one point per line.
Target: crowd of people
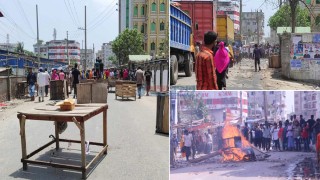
41	80
290	135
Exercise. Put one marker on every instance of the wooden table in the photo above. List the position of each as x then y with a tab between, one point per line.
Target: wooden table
79	116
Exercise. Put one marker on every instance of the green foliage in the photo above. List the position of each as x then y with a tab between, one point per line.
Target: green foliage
282	18
113	60
129	42
20	47
164	45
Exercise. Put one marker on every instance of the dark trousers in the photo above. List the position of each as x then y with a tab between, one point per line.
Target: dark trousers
258	142
298	145
306	144
46	89
276	144
75	90
188	152
257	63
267	143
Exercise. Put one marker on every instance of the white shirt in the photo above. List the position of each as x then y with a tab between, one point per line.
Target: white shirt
42	79
275	134
188	140
48	78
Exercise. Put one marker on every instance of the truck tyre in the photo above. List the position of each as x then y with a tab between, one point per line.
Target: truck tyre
173	70
188	67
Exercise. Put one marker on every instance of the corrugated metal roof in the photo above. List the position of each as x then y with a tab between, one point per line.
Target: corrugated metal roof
281	30
140	57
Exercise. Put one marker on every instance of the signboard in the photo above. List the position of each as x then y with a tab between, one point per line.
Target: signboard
295	64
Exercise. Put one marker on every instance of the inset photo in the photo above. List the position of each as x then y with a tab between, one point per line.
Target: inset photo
244	135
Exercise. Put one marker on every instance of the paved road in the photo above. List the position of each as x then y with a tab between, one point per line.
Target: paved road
135	151
243	77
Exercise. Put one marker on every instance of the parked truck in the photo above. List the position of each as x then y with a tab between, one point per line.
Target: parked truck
225	28
181	44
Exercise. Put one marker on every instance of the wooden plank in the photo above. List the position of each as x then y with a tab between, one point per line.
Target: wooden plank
77	141
99	93
101	153
105	125
84	92
57	135
23	140
40	149
77	123
165	122
83	150
52	164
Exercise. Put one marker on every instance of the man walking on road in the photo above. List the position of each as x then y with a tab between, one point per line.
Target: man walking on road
257	55
148	75
47	82
42	81
75	79
205	67
31	81
140	79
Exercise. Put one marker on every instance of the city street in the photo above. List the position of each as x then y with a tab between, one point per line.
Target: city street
134	152
242	76
279	166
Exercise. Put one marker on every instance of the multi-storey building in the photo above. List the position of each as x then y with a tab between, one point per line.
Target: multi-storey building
232	9
8	46
150	17
253	24
274	101
56	50
216	103
89	58
306	103
107	51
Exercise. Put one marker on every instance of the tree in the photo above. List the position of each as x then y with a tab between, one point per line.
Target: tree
129	42
283	17
19	48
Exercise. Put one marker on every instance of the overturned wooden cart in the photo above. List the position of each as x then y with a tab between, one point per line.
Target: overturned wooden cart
126	89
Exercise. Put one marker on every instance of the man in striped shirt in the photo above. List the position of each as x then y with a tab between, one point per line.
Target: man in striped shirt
205	67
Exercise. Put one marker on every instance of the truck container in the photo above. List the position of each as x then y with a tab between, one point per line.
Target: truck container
225	28
203	15
181	44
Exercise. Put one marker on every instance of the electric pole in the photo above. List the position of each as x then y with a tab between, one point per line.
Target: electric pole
92	54
68	49
240	17
85	38
258	30
119	9
265	105
38	45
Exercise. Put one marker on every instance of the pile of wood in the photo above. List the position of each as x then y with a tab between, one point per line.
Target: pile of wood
126	89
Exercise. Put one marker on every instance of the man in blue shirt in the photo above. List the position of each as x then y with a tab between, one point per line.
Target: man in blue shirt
257	55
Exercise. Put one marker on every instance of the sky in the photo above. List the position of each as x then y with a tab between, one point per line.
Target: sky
64	15
269	7
289	101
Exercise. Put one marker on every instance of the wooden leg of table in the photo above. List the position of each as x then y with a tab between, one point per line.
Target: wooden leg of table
83	150
23	140
57	135
105	125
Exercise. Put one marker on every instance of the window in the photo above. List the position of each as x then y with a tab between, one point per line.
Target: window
308	1
142	11
153	27
153	7
161	26
162	7
142	28
135	10
153	46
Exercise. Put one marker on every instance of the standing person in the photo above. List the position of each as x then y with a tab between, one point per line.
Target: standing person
275	137
290	136
311	123
61	74
267	137
221	60
210	142
302	121
47	82
31	81
126	74
296	135
305	137
148	75
193	146
187	143
75	79
140	79
205	66
245	131
281	136
316	127
257	55
258	137
54	75
42	78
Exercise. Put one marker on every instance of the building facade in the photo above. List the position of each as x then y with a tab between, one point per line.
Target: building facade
11	47
89	58
274	102
253	24
217	104
150	17
306	103
232	9
56	50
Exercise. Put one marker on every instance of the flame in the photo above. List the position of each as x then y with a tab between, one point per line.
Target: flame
232	150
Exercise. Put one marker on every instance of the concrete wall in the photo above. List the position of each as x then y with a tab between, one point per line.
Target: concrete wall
3	86
294	64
